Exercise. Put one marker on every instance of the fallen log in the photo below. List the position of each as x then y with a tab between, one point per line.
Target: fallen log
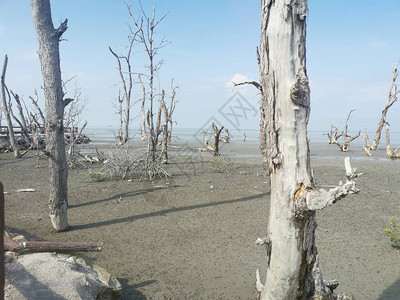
40	246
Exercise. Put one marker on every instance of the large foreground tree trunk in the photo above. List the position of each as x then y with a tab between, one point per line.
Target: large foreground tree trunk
293	268
48	38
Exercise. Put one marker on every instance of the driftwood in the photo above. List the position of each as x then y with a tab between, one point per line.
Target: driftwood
334	135
392	98
39	246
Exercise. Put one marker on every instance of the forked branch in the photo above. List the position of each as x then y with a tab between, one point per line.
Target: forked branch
308	199
334	135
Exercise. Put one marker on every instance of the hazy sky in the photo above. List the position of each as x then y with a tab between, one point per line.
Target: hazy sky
352	46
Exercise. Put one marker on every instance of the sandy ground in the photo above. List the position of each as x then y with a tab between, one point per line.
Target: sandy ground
192	236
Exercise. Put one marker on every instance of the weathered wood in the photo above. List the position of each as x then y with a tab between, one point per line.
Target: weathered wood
292	263
49	55
41	246
392	98
334	135
226	138
217	133
390	153
367	146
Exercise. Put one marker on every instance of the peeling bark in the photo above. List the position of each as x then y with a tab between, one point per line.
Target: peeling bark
293	270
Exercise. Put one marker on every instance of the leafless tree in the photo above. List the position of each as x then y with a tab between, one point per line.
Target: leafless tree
292	264
334	135
38	110
144	33
7	110
217	138
49	38
392	98
72	119
126	75
22	121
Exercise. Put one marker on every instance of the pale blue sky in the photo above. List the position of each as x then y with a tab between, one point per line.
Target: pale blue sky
352	46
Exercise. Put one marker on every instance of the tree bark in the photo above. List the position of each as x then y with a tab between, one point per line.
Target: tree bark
6	111
292	263
49	38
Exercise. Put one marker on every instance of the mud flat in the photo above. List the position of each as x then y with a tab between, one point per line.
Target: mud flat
192	236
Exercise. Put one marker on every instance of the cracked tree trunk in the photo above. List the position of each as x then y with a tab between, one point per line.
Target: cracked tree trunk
292	263
48	38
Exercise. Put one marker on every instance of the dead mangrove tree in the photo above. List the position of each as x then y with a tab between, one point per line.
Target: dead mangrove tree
292	264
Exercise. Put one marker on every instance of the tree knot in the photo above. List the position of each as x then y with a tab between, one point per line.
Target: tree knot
300	91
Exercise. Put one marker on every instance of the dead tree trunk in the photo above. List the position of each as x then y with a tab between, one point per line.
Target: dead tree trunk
390	153
49	38
392	98
164	131
292	263
145	29
6	111
367	147
127	82
171	110
217	133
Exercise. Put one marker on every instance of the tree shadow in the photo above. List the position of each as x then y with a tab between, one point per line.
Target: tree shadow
164	212
123	195
131	292
392	292
14	160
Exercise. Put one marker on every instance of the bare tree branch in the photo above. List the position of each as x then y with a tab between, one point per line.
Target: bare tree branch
255	83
